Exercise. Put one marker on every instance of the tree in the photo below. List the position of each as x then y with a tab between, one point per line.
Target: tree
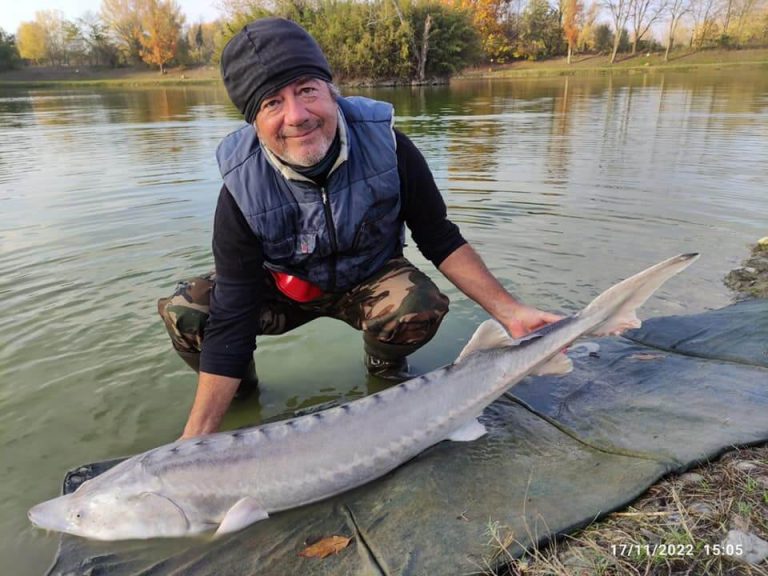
603	38
447	41
620	11
161	23
541	33
676	10
53	24
644	14
75	48
101	51
9	52
488	17
587	39
31	41
704	22
123	20
573	12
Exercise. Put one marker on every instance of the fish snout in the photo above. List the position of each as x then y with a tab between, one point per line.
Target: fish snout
50	515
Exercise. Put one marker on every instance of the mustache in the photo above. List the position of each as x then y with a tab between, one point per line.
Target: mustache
307	126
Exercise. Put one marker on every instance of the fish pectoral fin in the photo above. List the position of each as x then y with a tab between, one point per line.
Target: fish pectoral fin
490	334
559	364
470	431
243	513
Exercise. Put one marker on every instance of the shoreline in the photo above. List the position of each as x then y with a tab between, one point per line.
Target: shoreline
583	65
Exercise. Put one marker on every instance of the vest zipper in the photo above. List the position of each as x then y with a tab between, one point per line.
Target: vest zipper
332	231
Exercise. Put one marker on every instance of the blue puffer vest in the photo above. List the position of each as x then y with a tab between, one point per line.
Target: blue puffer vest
338	245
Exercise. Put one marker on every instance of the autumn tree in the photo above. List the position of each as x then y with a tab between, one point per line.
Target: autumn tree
488	17
161	26
743	24
30	38
573	12
202	40
123	21
587	39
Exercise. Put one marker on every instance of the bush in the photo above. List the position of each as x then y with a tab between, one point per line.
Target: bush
9	52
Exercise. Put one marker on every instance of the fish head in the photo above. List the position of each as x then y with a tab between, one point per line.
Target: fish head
111	515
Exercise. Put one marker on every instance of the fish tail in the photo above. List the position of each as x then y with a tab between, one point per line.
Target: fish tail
613	311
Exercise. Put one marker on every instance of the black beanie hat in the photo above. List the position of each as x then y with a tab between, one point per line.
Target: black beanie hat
266	55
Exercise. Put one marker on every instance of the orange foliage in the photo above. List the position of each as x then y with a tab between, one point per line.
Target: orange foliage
161	23
572	17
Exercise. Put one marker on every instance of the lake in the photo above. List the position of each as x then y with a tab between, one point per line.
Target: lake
564	185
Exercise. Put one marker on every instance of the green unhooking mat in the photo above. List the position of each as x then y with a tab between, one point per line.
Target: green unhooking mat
560	452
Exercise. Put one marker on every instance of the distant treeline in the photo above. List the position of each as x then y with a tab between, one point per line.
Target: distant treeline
390	39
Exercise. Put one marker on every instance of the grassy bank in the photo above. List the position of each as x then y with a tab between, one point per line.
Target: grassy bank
680	61
684	60
35	76
676	528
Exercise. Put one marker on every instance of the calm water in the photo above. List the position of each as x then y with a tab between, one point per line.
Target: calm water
107	196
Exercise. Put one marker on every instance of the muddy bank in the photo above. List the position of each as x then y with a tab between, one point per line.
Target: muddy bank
751	278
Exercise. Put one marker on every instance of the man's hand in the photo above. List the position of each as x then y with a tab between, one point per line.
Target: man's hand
213	397
527	319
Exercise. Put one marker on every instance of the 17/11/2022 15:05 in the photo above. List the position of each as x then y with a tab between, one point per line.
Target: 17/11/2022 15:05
676	549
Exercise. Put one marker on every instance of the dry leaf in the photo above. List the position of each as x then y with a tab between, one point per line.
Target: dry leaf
646	356
326	547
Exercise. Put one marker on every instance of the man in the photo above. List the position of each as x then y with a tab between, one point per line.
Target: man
310	223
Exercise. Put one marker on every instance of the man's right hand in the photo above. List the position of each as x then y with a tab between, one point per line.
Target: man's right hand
212	399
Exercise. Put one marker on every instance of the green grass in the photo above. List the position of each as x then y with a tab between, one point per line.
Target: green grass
680	61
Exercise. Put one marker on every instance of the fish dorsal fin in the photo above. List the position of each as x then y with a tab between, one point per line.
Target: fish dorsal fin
490	334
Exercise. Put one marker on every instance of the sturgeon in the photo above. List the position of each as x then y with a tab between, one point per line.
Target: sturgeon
229	480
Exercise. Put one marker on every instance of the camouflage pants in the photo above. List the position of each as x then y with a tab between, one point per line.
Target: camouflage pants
398	309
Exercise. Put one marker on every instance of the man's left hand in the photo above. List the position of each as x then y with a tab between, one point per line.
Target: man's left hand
526	319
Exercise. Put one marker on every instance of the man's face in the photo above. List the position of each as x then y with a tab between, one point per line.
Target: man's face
298	123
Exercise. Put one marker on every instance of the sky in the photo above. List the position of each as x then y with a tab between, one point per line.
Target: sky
14	12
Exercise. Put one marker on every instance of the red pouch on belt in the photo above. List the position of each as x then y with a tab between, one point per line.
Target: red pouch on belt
295	288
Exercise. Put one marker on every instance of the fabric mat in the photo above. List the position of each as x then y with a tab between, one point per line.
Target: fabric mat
561	452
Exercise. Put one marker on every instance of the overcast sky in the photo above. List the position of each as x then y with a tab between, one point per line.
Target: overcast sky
15	12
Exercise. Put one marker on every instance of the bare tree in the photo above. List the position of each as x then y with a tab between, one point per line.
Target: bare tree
620	11
704	13
676	10
644	14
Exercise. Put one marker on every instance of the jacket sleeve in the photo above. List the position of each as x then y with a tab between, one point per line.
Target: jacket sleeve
230	332
423	208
